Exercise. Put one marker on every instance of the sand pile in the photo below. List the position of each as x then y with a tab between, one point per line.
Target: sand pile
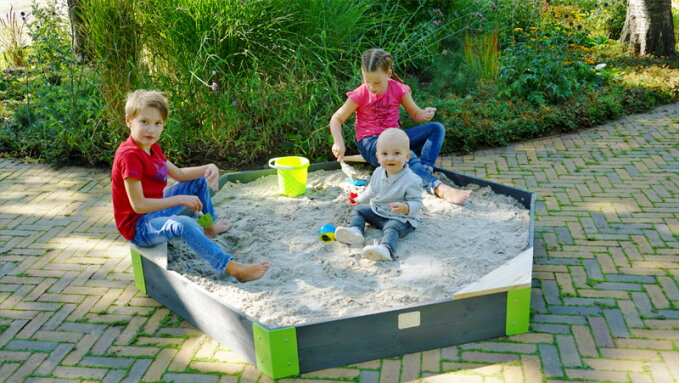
310	280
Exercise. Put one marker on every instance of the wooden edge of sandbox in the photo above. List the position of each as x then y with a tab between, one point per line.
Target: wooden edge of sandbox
354	158
514	274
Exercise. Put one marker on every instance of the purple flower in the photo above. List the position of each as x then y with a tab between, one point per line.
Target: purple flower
436	22
233	103
438	12
213	86
266	105
214	73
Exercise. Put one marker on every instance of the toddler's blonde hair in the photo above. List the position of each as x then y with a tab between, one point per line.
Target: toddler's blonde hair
141	98
394	135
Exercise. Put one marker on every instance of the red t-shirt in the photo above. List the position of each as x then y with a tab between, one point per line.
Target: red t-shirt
376	113
132	162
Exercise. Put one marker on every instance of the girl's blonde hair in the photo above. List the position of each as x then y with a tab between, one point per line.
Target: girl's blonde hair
141	98
374	59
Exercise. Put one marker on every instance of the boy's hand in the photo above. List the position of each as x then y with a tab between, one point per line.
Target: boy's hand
428	113
399	207
190	202
212	176
338	150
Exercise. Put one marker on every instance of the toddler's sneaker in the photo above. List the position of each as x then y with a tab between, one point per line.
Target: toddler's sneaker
348	235
377	253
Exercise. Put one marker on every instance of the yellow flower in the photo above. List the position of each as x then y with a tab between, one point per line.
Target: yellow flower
567	62
517	30
533	28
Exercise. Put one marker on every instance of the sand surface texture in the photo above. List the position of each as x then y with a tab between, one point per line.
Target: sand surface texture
312	281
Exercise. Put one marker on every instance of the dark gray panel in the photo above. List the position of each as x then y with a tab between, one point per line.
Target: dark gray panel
368	337
228	326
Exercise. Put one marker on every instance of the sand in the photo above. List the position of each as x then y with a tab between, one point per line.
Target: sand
312	281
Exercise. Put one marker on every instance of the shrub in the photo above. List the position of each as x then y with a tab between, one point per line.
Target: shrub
545	67
58	120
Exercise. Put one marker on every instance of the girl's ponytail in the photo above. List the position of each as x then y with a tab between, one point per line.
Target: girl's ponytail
373	59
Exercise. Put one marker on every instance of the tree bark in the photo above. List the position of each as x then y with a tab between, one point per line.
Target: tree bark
77	34
649	28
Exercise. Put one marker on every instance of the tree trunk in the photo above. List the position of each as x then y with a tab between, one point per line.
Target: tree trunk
77	35
649	28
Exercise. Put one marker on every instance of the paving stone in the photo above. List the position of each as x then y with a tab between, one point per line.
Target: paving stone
569	354
550	359
369	376
190	378
616	323
604	282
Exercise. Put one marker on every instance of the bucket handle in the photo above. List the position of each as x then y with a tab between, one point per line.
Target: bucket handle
278	166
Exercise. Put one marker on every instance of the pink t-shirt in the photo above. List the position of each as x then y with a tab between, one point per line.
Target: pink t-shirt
376	113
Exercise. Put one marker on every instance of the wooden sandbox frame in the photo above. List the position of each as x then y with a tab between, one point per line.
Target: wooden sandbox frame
495	305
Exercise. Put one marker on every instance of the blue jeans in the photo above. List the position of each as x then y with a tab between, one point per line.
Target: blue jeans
427	138
163	225
392	229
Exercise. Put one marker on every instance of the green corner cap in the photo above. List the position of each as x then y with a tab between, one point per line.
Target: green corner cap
138	271
276	351
517	317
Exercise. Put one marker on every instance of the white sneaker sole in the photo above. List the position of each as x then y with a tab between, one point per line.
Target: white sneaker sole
345	235
375	255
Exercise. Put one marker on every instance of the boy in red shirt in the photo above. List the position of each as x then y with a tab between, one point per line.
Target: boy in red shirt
146	212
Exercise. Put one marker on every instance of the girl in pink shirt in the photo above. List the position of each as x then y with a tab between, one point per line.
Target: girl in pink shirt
376	103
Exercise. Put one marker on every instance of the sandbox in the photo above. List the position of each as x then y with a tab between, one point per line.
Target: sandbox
495	304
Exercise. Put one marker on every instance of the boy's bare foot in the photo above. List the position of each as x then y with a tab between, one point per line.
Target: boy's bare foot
449	194
217	228
247	272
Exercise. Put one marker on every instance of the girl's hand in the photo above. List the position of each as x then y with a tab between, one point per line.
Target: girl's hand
399	207
428	113
338	150
212	176
190	202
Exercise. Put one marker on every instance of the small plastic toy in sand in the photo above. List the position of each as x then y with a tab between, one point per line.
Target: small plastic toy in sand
352	175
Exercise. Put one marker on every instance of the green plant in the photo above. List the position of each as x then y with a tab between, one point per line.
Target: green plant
13	40
546	66
58	119
112	37
483	54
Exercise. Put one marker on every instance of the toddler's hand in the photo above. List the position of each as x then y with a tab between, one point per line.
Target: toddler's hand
191	202
399	207
212	176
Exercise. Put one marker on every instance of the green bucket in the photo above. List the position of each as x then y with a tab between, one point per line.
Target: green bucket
292	172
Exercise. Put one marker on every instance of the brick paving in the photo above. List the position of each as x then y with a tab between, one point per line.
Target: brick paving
604	296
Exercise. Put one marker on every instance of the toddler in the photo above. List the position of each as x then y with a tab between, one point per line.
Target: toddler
395	195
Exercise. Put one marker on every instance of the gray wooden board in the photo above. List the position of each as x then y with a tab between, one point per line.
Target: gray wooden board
226	325
374	336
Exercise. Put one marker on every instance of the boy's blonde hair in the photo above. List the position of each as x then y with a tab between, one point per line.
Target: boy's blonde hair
374	59
393	135
141	98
